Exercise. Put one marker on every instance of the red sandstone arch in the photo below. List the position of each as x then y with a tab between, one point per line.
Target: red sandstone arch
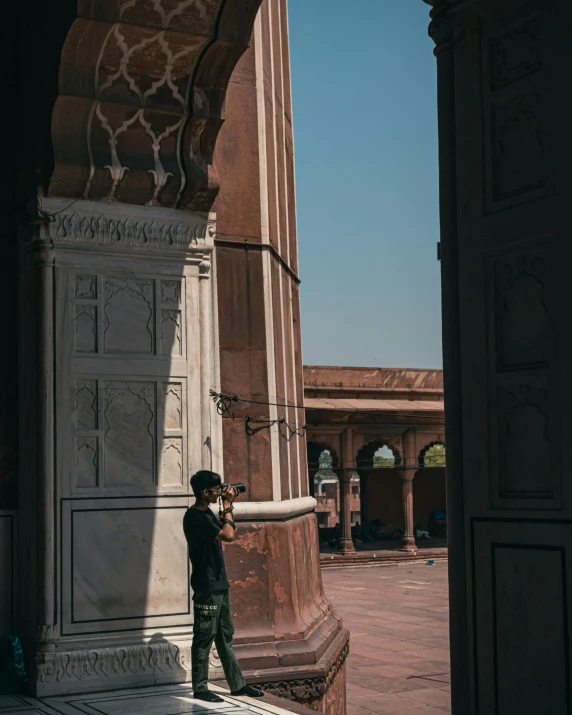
315	449
141	91
373	492
364	458
421	457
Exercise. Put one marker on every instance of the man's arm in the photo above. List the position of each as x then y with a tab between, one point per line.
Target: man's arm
228	531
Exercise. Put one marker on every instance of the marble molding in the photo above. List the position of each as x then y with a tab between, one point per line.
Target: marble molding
115	224
119	666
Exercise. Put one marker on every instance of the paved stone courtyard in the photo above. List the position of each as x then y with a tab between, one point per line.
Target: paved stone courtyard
399	647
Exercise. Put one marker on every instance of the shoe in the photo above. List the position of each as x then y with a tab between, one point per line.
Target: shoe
208	696
250	691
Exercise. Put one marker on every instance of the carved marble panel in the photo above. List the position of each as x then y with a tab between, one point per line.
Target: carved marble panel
86	287
171	332
128	563
85	328
173	405
518	145
171	292
86	405
128	315
526	443
521	310
514	52
130	433
172	462
86	460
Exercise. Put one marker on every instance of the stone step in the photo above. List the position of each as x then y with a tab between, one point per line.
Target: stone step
162	700
380	558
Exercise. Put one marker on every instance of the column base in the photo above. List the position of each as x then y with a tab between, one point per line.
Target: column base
347	546
409	545
321	687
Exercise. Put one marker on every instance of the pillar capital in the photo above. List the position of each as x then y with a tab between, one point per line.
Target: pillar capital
441	27
407	476
344	475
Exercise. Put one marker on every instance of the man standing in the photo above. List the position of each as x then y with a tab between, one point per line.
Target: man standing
213	616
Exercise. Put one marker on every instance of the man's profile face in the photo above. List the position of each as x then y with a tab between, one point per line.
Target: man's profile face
211	495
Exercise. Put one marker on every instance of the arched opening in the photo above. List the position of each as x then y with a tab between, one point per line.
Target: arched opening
429	494
381	505
325	488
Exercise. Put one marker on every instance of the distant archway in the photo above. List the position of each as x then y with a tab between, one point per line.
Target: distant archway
429	487
432	455
324	483
380	484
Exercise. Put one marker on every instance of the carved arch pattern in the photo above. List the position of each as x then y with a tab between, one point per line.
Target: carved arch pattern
141	91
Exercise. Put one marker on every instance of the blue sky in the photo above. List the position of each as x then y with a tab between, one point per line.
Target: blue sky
365	124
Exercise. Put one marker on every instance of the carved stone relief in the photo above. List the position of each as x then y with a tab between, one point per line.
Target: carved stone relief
129	442
86	405
519	161
172	462
516	135
173	406
521	357
514	52
171	338
86	328
522	311
141	89
109	663
86	287
128	309
87	469
171	292
524	420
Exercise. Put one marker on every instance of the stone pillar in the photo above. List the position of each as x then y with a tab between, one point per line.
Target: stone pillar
364	511
346	542
504	158
408	518
288	638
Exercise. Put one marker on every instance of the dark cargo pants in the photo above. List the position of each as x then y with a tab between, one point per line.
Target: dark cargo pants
213	622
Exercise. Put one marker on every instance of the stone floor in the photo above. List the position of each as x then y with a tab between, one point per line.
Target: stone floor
399	648
165	700
387	545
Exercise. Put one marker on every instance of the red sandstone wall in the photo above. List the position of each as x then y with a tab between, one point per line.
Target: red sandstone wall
399	378
259	314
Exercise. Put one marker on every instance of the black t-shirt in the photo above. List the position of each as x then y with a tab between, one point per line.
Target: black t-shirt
205	551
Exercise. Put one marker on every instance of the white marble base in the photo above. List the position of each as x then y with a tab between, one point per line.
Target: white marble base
166	700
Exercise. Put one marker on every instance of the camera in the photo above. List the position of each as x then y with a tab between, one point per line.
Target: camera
240	487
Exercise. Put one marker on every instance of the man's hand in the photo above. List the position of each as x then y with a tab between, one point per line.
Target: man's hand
227	532
228	495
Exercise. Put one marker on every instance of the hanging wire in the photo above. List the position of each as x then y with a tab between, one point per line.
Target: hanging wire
227	399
